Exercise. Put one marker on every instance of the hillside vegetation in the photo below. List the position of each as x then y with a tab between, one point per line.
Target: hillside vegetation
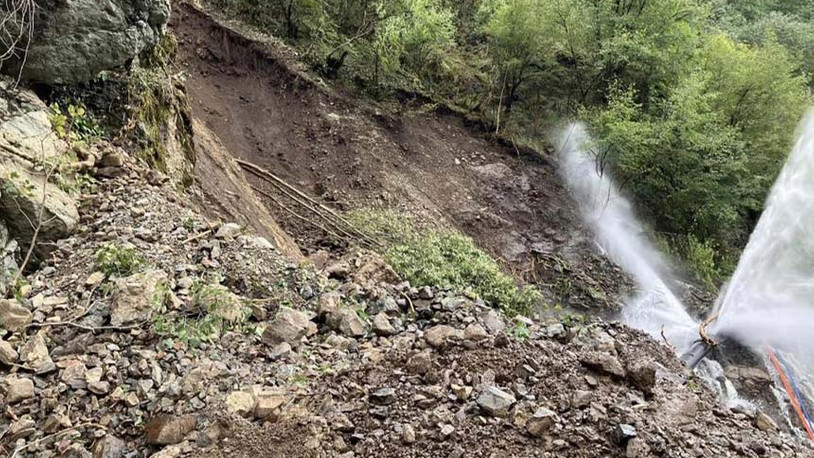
692	103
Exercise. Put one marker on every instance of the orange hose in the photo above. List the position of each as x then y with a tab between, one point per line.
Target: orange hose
795	402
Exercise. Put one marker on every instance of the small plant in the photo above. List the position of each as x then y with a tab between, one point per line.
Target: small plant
446	259
115	259
521	331
74	124
215	311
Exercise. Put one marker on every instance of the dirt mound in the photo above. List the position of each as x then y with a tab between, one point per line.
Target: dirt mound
431	164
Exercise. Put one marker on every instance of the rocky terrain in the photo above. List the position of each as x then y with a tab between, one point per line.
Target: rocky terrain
343	361
142	315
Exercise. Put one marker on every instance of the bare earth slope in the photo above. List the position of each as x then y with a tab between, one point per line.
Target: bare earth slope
431	165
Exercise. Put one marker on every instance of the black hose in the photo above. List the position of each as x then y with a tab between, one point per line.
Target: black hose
696	353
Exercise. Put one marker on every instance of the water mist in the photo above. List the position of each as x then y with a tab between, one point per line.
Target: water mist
770	298
622	237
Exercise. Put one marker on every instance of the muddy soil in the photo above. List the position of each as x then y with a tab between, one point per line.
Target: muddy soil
350	154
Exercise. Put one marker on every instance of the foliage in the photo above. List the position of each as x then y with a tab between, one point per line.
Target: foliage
695	101
445	259
211	303
120	260
74	124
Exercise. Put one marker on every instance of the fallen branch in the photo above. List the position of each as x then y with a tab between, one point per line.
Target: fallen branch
311	204
297	215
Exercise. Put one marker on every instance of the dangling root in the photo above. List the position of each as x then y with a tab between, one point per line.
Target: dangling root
702	330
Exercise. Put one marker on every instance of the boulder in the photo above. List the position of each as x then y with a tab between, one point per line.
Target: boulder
269	400
442	335
289	326
241	403
135	297
26	139
603	363
76	40
13	316
347	322
495	402
169	429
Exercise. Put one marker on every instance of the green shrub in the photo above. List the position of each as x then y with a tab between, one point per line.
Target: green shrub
115	259
445	259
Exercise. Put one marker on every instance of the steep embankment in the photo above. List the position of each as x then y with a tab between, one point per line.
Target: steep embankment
430	165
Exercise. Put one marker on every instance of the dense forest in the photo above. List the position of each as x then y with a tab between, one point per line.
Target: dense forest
692	103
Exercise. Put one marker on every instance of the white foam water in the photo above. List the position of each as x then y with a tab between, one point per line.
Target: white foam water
770	298
611	217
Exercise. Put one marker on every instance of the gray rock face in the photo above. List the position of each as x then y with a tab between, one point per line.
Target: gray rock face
26	138
78	39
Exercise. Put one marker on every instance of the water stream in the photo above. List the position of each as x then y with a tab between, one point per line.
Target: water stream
620	235
770	299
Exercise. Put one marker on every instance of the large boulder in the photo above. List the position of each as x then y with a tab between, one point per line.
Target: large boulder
75	40
26	141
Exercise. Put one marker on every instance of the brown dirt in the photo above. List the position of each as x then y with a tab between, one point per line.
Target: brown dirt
432	165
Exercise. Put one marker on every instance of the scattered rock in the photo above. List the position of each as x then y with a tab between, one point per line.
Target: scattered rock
407	434
604	363
347	322
623	433
135	297
765	422
493	322
495	401
475	333
382	326
637	448
269	400
419	363
289	326
95	279
228	231
442	335
383	396
425	293
169	429
581	399
18	389
8	355
541	422
109	447
642	375
74	374
13	316
241	403
34	354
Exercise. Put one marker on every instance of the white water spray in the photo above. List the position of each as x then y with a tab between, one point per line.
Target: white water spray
770	299
622	237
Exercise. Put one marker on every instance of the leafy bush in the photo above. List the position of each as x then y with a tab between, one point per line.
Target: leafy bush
115	259
445	259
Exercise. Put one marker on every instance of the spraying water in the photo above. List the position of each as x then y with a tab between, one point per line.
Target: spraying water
770	298
621	236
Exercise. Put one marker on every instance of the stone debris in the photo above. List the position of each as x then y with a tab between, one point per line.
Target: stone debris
307	373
